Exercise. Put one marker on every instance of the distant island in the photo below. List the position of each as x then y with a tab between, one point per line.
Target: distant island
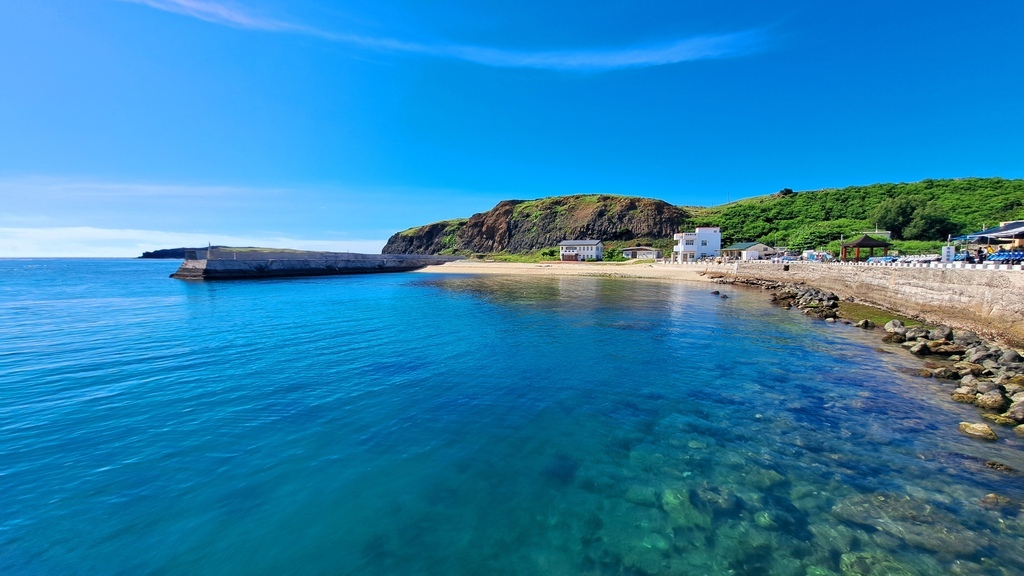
173	253
919	215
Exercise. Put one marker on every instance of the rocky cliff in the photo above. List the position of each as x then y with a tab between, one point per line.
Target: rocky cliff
523	226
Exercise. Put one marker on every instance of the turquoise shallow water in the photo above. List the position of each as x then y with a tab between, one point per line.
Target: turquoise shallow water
424	424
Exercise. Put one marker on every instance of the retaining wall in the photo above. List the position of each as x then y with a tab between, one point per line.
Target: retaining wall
988	300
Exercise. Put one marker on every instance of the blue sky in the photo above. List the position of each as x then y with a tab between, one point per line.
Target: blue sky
137	124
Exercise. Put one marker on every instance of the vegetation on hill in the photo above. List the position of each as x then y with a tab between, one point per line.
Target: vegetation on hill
920	215
926	212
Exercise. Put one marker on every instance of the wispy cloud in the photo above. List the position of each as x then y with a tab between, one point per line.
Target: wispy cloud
594	60
90	242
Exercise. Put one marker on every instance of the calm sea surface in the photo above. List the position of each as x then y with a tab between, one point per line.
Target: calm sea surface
447	425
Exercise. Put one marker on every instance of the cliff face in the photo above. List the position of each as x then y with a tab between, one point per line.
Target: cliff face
521	226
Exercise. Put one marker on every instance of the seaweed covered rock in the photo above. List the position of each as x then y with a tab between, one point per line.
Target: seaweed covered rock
981	431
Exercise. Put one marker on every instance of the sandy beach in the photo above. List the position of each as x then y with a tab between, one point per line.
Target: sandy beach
602	269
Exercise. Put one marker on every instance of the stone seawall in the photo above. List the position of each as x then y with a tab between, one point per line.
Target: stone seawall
282	265
986	301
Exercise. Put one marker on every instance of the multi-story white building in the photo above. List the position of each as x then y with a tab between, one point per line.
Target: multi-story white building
704	242
580	250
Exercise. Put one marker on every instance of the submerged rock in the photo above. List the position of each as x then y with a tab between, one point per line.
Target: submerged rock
981	431
642	495
681	511
913	521
999	419
764	520
999	466
995	501
871	564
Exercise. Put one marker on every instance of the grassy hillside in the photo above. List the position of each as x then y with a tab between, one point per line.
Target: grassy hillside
921	214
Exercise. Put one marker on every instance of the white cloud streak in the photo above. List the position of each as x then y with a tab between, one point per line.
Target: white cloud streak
90	242
597	60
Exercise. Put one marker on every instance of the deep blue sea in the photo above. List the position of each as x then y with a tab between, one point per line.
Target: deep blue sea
423	424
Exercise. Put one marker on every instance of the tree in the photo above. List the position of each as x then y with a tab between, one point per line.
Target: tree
895	214
929	222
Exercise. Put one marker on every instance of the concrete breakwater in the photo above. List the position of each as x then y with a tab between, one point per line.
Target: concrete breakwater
989	302
226	264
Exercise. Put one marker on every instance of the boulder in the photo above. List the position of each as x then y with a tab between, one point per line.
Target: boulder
895	326
1015	412
865	324
945	373
977	355
984	386
919	349
999	419
1010	355
1017	379
894	338
966	338
981	431
1012	390
991	400
1019	430
915	333
947	349
940	333
965	395
969	367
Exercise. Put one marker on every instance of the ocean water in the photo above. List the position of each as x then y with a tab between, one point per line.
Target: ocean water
449	425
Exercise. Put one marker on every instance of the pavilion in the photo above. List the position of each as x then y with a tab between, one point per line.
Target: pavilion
865	241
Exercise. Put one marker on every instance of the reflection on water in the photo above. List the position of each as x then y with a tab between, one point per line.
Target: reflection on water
456	425
783	446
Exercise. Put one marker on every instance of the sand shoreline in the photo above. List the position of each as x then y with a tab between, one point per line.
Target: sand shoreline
926	300
642	270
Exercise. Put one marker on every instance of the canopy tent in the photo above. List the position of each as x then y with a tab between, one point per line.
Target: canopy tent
865	241
1005	233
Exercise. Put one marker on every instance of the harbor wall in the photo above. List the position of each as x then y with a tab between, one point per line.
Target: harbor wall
228	266
987	300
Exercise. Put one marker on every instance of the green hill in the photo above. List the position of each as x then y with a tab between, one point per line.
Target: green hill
926	211
920	215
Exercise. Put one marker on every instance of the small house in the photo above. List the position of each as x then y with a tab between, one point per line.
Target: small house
748	251
580	250
641	253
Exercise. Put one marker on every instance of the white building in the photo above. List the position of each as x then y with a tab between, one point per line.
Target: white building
748	251
579	250
641	253
704	242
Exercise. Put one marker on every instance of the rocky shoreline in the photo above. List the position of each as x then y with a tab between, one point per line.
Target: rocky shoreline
981	372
